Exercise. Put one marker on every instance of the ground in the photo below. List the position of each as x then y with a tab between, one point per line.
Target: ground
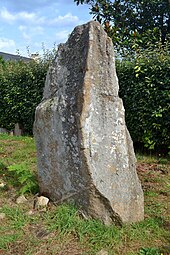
61	230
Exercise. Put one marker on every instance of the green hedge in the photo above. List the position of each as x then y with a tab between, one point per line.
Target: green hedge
21	88
145	89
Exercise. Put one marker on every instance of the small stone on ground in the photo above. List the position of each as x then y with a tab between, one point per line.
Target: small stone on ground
2	185
102	252
21	199
42	201
2	216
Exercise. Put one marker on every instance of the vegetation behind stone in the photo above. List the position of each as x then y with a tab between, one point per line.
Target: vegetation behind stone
144	87
144	81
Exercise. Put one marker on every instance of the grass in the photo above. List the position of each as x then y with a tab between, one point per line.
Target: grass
61	230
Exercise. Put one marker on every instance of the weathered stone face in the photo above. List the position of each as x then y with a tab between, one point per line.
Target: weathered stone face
85	153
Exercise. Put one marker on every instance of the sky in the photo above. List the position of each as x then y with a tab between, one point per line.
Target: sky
38	24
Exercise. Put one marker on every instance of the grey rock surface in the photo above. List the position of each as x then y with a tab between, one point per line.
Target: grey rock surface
18	131
84	150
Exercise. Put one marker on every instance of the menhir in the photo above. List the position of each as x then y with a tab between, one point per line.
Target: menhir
85	153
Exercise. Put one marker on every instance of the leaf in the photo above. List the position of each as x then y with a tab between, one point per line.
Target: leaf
24	177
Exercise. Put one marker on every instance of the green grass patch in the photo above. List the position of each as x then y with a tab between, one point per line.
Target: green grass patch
11	229
6	239
18	163
149	251
66	220
15	216
62	229
151	159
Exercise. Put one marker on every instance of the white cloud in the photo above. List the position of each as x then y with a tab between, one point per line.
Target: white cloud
21	16
22	28
29	32
32	18
34	30
6	43
62	36
4	14
65	20
38	30
26	16
30	22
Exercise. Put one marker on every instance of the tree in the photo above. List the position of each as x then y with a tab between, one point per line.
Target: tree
127	21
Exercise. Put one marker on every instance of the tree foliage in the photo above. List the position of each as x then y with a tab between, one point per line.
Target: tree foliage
145	90
126	20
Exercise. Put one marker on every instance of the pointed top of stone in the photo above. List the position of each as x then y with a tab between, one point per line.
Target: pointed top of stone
87	42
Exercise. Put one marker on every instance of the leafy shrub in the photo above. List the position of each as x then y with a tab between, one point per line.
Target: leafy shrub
24	178
144	87
21	89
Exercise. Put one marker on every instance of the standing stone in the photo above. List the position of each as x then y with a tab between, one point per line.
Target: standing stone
85	153
18	130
